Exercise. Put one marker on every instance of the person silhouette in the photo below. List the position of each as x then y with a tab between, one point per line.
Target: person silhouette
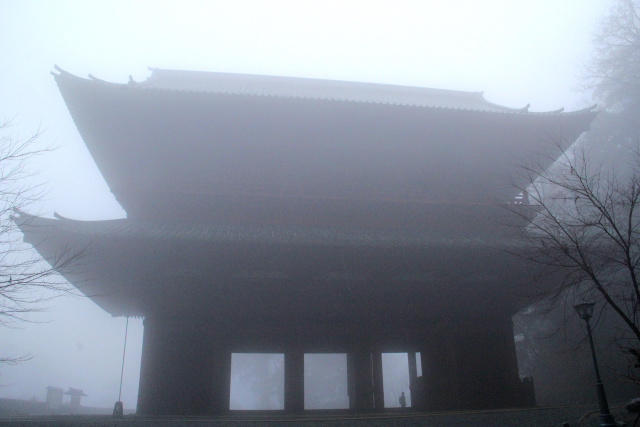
403	400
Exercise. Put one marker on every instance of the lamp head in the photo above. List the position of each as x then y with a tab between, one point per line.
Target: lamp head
585	310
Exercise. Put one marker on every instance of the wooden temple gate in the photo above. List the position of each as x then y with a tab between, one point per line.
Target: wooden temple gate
275	214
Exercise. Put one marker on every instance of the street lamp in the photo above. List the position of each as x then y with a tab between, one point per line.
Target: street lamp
585	311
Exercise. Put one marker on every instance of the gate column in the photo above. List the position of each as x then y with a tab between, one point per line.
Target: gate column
294	381
221	381
378	385
360	377
413	379
182	372
472	365
440	375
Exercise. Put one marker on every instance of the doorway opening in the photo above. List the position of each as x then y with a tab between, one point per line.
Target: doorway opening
395	378
257	381
325	381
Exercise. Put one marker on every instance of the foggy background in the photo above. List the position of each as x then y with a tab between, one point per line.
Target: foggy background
517	52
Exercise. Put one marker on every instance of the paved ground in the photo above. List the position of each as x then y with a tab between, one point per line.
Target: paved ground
539	417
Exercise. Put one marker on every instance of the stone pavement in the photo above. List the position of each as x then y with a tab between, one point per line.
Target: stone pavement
537	417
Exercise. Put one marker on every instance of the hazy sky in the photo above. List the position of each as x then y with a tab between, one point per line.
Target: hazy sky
517	52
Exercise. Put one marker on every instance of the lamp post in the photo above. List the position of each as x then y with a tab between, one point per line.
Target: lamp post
585	311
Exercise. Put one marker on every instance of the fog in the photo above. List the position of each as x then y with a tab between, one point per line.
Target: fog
517	52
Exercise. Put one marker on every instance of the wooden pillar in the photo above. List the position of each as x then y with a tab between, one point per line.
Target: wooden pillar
182	372
472	365
488	365
441	375
351	381
221	381
360	374
294	382
378	386
147	366
413	379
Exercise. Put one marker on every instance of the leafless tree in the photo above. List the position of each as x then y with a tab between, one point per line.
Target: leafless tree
614	70
583	229
26	280
583	212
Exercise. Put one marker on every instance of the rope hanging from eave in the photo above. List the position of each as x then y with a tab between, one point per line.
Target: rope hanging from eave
124	351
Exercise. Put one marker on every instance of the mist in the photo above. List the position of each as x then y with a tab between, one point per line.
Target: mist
517	53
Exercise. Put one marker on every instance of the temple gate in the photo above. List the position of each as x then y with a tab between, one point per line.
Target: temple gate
284	215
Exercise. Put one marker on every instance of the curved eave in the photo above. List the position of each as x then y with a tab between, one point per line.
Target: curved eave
475	97
261	235
152	145
133	266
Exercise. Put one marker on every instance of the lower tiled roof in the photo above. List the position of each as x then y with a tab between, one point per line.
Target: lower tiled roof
257	234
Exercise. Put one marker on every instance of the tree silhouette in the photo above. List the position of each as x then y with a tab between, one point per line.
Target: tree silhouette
26	280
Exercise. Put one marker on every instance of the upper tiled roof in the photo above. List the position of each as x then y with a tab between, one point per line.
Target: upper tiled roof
307	88
295	87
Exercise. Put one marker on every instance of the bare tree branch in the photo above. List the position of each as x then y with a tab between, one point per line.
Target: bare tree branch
583	224
27	281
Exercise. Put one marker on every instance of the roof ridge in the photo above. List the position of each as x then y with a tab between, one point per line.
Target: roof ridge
472	94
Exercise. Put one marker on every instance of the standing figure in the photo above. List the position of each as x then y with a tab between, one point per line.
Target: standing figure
403	400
